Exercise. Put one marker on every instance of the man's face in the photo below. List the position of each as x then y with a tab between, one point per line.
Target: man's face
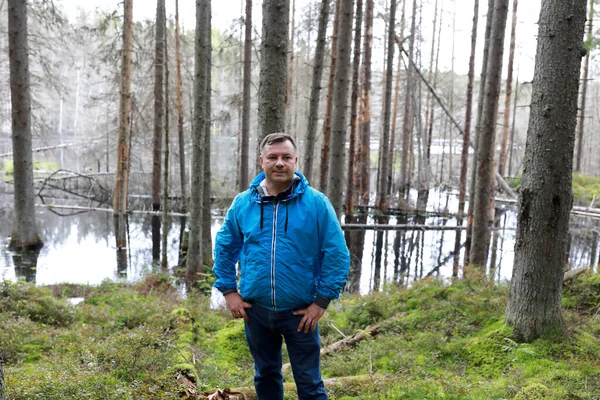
278	160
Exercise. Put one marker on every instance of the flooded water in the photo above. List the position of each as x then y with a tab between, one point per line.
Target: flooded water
80	247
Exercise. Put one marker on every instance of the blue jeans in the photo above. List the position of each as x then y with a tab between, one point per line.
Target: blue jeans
265	330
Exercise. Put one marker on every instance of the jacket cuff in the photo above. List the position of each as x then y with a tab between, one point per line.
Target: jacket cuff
227	291
321	301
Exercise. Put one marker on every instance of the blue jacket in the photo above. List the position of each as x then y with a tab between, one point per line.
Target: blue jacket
291	248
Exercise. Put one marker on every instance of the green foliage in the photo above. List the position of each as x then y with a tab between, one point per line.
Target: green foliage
438	340
585	189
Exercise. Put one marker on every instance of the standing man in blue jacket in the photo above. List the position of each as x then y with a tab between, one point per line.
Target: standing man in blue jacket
293	261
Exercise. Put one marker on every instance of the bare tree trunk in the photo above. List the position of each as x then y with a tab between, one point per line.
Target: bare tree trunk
407	125
482	81
273	67
586	67
244	179
383	184
340	101
363	177
535	298
182	174
462	191
351	192
195	250
206	214
165	204
509	78
24	230
485	153
289	91
2	396
512	129
325	146
315	91
159	105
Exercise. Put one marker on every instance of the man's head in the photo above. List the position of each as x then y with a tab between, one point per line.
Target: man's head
278	159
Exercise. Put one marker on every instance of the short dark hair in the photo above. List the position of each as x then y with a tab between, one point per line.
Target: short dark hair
277	137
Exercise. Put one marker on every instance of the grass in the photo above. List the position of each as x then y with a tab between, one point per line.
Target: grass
136	341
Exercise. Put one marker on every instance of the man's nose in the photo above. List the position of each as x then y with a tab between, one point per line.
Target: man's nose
279	161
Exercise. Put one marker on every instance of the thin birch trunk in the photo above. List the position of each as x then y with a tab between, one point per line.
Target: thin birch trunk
206	214
512	129
586	67
165	203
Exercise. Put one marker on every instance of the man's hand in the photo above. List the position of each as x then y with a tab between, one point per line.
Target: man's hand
237	305
312	314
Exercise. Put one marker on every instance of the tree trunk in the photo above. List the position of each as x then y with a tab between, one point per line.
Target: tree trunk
325	146
351	192
2	396
512	129
534	302
244	179
206	214
485	152
586	67
273	67
364	157
182	174
384	150
315	91
340	101
195	250
24	231
482	80
408	114
165	189
464	158
159	105
289	91
509	78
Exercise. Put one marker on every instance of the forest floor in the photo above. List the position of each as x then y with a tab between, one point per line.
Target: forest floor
437	340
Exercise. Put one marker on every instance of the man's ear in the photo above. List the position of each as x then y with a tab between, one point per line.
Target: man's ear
260	160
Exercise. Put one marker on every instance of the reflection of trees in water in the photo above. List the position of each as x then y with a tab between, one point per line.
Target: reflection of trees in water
25	263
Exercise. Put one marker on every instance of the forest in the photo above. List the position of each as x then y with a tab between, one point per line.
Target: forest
454	139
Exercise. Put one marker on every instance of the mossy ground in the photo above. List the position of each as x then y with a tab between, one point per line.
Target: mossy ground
133	341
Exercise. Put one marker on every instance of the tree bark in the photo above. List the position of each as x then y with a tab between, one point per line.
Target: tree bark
340	101
247	80
586	67
535	298
351	192
408	115
273	67
384	153
482	81
165	189
485	152
364	156
206	214
159	105
182	174
315	91
464	158
508	94
24	230
325	145
2	396
124	134
195	250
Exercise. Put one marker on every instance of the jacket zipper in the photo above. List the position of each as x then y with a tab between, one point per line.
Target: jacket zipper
273	246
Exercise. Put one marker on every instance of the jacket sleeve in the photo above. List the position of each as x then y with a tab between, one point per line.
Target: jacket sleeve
335	257
228	244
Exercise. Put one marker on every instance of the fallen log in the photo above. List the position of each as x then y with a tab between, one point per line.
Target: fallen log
350	340
340	383
573	273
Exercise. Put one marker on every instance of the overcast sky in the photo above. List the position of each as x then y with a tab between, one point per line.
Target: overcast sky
224	12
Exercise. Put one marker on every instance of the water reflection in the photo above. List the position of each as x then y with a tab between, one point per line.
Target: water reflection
83	248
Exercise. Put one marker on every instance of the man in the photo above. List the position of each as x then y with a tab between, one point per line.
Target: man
293	262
